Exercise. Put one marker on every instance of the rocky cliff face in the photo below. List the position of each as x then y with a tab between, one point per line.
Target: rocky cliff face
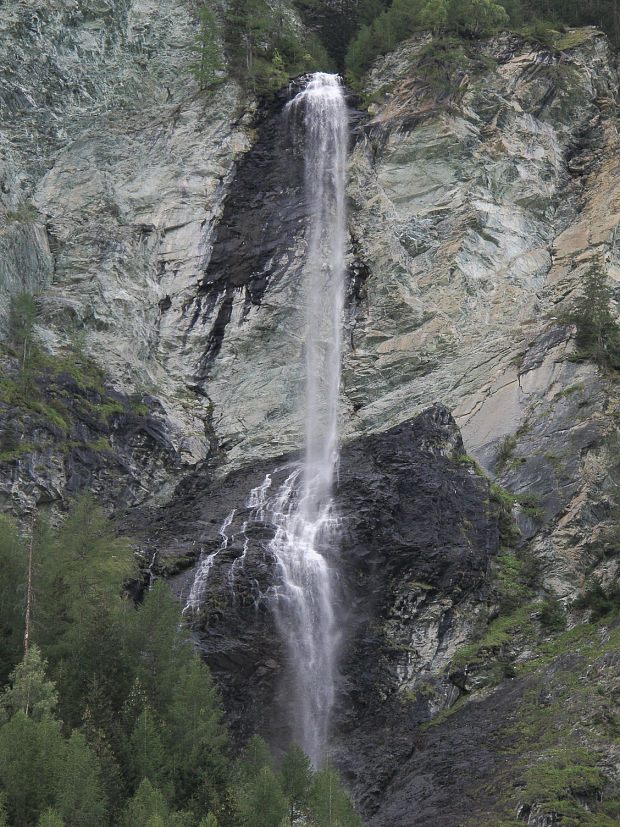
113	171
418	534
162	231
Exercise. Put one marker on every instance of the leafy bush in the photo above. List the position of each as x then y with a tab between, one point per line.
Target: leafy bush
505	451
552	615
600	601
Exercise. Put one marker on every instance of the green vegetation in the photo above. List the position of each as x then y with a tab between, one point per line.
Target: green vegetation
562	780
463	18
498	634
545	23
600	601
466	460
551	615
61	392
24	214
505	451
22	313
208	62
530	504
258	44
262	45
598	332
515	579
110	717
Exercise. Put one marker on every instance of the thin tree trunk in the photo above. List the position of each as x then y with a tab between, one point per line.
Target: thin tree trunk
29	591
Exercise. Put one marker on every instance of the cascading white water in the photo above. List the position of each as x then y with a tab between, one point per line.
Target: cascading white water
325	120
201	577
302	510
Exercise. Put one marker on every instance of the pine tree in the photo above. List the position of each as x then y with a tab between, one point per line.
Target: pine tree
80	800
435	16
113	785
254	757
93	562
263	803
162	646
198	738
147	808
329	804
22	313
598	332
13	564
3	816
295	778
477	17
147	754
208	62
30	691
31	745
31	754
50	818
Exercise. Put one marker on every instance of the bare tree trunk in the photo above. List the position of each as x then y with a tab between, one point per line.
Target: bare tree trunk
29	591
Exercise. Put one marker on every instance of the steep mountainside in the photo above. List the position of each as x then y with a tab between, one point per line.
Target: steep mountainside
162	232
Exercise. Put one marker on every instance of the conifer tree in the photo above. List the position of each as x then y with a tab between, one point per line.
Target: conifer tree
113	785
598	332
198	738
30	692
147	754
162	646
22	313
31	755
80	800
13	564
147	807
3	816
50	818
208	61
263	803
295	778
31	745
329	803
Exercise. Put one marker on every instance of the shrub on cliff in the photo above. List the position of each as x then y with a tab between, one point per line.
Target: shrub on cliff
468	18
598	332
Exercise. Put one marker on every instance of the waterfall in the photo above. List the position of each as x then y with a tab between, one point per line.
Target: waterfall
301	510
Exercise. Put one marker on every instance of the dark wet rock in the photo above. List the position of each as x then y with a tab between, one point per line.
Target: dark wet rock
418	534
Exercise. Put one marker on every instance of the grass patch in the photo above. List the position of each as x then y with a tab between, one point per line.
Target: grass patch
100	445
498	634
570	39
513	578
137	405
12	454
465	460
24	214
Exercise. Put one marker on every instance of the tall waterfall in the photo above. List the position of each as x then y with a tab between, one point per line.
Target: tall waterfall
306	534
301	510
